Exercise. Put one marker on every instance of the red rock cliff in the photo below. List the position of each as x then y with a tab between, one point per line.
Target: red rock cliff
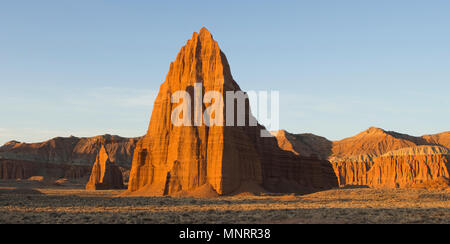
410	166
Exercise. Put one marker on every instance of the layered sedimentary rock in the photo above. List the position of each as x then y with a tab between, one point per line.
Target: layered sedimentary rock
105	175
70	157
171	159
409	166
441	183
378	158
14	169
352	172
372	143
11	169
72	150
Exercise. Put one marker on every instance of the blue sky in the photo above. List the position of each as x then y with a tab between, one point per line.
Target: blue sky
86	68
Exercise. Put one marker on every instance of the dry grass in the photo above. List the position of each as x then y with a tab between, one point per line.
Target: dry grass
27	203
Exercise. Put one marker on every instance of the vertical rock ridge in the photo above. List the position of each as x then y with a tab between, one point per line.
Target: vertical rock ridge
104	175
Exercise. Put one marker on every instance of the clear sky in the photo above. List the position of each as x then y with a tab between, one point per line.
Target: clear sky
91	67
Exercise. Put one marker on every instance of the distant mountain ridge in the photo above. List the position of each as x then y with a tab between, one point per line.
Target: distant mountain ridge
68	157
72	150
378	158
364	146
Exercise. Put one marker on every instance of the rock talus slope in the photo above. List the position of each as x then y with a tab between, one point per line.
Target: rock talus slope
171	159
105	175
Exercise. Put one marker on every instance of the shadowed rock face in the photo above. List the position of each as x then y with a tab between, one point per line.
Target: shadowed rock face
354	157
105	175
304	144
171	159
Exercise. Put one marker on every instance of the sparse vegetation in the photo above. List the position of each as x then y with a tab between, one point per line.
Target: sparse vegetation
21	203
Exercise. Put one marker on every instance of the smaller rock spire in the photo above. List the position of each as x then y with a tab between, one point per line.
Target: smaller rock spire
104	175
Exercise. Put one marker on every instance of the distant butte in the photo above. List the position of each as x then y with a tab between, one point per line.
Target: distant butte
379	158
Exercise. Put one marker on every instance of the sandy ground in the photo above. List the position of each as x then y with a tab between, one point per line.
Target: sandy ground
28	202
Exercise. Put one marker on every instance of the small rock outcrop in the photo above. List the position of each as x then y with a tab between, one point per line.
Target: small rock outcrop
105	175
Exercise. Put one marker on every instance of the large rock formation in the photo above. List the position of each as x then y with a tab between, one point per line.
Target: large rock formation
172	159
63	157
105	175
372	143
410	166
373	157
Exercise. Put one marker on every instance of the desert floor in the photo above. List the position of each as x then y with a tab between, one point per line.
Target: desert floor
34	202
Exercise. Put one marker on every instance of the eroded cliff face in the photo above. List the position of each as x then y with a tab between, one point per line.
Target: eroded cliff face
352	172
104	175
70	157
171	159
72	150
379	158
407	167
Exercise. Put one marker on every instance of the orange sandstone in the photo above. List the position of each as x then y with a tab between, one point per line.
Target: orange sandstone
105	175
172	159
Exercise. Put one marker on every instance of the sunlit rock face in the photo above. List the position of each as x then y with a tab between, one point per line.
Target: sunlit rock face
104	175
410	166
378	158
173	159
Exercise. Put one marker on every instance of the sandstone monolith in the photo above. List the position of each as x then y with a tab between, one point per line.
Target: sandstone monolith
171	159
104	175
